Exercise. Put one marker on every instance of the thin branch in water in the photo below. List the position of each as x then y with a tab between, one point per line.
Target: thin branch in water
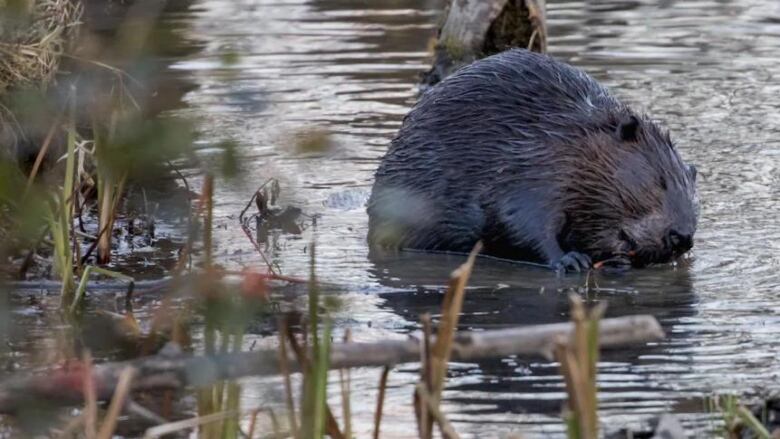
247	230
189	210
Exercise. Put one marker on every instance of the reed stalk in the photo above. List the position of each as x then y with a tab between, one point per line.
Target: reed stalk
578	357
61	213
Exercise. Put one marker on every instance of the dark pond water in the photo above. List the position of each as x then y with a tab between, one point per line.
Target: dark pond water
709	70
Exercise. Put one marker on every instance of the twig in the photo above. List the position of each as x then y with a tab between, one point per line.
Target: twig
144	413
189	206
248	232
71	427
117	404
207	204
42	153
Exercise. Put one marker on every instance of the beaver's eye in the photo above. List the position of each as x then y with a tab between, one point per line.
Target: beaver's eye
623	236
662	182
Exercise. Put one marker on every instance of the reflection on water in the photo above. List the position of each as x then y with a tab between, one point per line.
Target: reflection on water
706	69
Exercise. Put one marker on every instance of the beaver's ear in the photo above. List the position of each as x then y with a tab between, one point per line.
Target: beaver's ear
692	172
628	129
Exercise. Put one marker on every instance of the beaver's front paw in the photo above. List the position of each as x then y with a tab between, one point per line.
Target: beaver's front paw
572	261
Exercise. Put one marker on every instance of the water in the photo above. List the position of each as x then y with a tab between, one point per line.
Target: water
708	70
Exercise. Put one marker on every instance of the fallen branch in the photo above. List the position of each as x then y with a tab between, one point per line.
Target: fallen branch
474	29
144	286
65	385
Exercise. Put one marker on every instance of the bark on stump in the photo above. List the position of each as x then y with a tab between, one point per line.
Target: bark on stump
474	29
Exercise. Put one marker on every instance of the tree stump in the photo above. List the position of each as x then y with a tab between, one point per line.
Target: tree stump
474	29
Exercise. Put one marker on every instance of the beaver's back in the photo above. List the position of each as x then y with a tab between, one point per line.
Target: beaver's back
516	96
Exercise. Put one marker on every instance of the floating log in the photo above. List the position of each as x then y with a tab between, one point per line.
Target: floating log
475	29
176	370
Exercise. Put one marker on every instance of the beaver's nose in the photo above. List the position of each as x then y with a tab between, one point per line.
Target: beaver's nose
679	242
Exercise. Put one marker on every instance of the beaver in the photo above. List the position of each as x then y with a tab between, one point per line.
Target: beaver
537	160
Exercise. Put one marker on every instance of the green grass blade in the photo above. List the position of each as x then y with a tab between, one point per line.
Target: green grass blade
753	423
321	381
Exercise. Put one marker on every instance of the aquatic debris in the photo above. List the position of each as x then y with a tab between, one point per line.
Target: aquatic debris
269	216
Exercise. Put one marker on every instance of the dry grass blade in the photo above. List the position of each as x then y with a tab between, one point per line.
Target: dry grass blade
331	425
447	431
435	363
575	387
71	428
250	433
346	390
424	425
284	367
578	358
117	403
30	51
208	218
187	424
144	413
42	153
380	401
583	371
453	304
274	424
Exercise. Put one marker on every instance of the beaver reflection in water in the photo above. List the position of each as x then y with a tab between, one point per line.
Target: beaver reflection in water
540	162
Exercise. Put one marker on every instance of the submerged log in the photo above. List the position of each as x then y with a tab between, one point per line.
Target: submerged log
475	29
176	371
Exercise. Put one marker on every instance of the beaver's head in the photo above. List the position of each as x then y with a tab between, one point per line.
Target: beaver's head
632	200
